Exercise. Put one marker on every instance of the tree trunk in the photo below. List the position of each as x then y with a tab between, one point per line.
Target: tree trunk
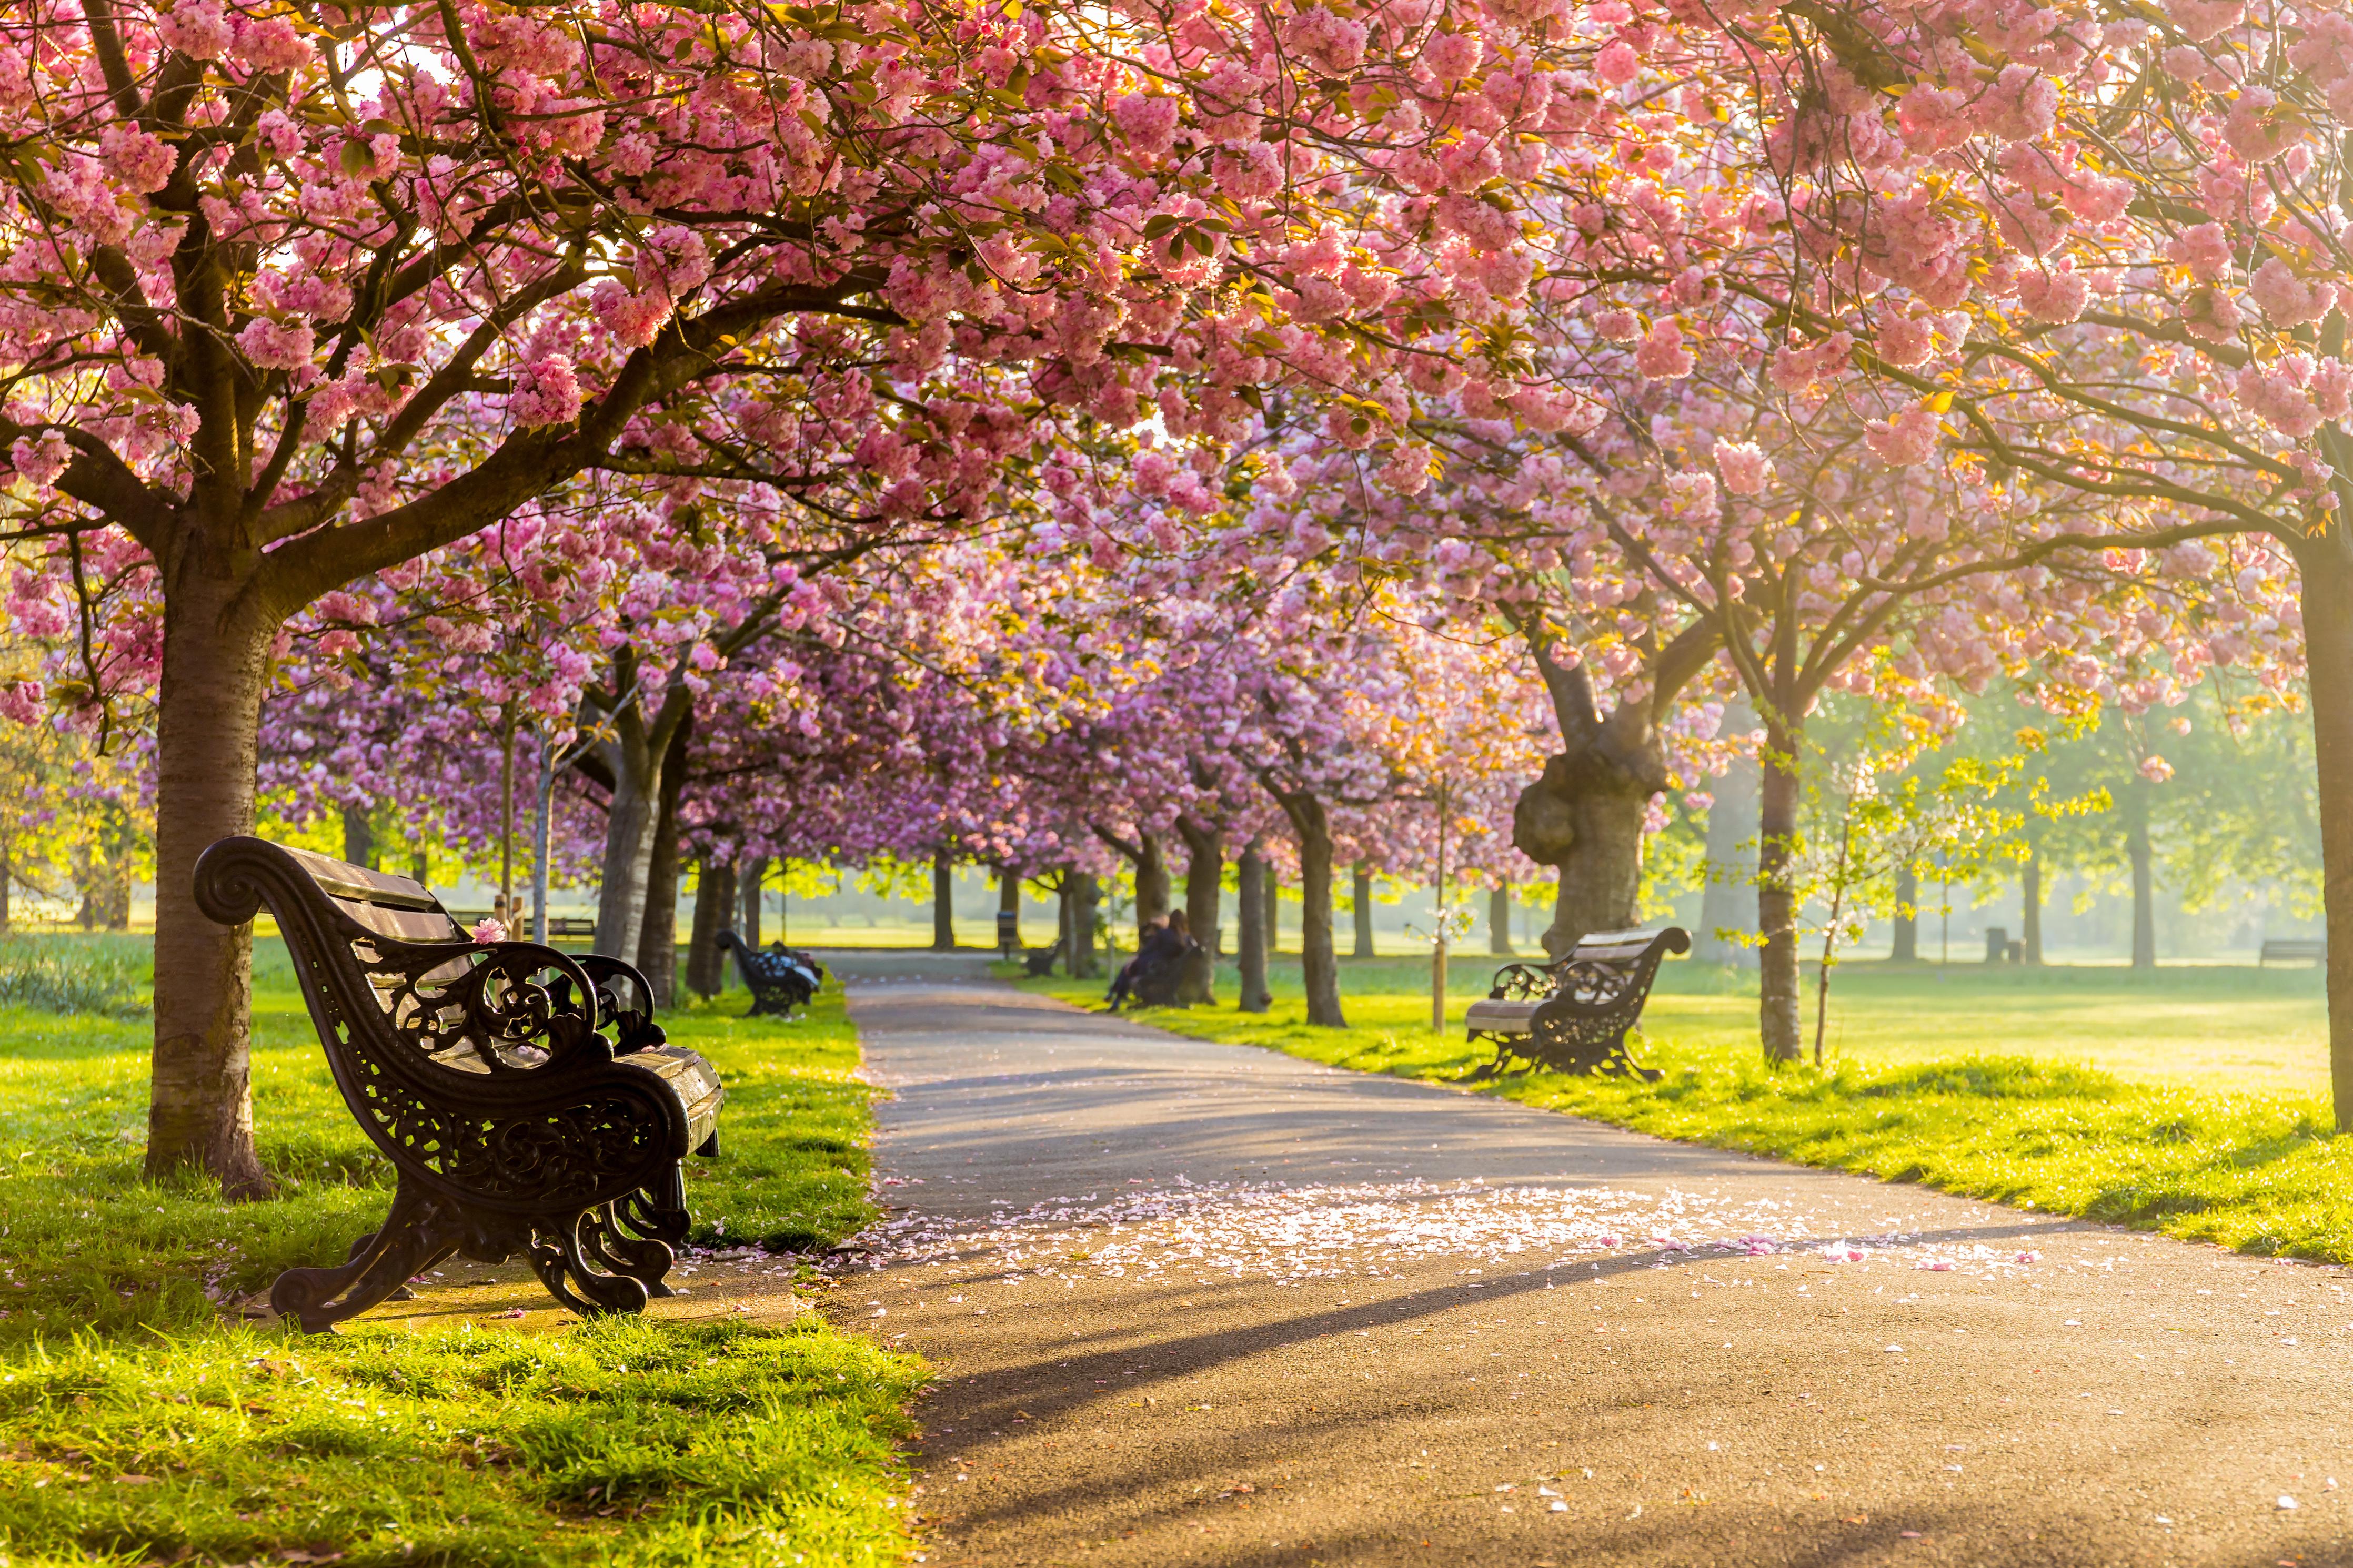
359	836
1066	942
943	904
5	916
1499	920
1086	900
1360	898
1318	962
215	647
2031	888
1727	901
2136	849
1269	887
1008	900
1907	914
657	936
1777	903
1585	816
1150	883
1249	941
1205	870
632	820
714	901
750	930
2327	587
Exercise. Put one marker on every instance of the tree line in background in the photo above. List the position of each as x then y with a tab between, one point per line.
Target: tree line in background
1165	435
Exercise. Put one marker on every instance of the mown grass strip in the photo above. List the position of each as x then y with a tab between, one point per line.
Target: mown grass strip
2262	1173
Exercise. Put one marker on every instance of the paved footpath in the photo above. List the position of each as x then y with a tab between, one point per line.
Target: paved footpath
1194	1303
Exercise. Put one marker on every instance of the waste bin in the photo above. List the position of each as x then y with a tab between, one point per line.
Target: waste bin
1996	945
1008	932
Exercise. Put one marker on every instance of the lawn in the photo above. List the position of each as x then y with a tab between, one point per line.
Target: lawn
2076	1091
137	1425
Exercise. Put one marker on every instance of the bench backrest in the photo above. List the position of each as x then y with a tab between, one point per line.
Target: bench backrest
388	905
1629	946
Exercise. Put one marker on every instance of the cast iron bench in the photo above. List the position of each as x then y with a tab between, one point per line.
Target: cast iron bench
485	1074
779	978
1573	1015
2288	950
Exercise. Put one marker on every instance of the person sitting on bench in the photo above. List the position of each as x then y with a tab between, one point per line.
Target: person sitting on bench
1164	938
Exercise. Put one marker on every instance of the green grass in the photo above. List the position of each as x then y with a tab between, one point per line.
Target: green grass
618	1441
1983	1092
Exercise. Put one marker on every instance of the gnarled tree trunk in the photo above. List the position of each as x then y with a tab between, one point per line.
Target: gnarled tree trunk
1584	813
215	647
1250	939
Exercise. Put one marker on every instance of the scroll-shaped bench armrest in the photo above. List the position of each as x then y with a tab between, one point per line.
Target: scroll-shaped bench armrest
625	1003
1518	981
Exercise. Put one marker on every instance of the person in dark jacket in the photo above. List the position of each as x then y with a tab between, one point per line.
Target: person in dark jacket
1165	941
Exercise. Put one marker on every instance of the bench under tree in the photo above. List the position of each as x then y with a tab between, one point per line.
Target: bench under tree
779	978
525	1095
2292	949
1574	1014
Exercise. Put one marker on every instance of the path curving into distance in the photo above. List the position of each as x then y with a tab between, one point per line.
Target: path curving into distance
1200	1303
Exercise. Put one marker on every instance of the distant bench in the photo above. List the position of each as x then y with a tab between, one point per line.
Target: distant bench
2293	951
1573	1015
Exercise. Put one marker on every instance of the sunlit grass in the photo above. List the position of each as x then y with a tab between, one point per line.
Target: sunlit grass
1992	1099
627	1441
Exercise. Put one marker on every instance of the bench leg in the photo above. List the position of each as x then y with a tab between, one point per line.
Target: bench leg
416	1235
558	1257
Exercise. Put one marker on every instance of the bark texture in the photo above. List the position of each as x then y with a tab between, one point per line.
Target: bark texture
1499	920
755	875
1360	904
215	646
943	904
1250	939
657	936
1086	904
2326	591
714	904
1584	814
634	758
359	836
1318	962
1205	870
1777	904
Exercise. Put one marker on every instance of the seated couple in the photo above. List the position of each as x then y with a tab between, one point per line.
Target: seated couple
1152	975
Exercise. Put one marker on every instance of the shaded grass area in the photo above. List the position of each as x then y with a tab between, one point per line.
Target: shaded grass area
2257	1171
617	1441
